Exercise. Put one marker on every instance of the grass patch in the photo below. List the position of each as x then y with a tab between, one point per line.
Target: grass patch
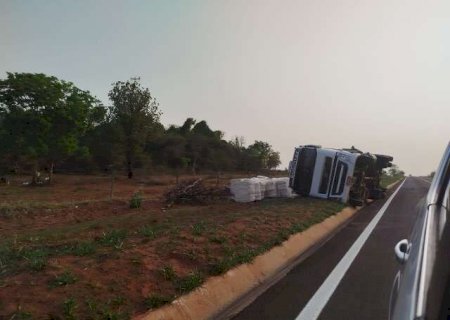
189	283
198	228
64	279
99	311
154	301
113	238
83	248
21	315
386	180
8	258
168	273
69	308
136	201
36	258
149	232
218	239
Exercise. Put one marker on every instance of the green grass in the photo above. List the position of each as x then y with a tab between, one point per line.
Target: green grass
168	273
101	311
154	301
150	232
136	201
198	228
36	258
237	255
189	282
218	239
113	238
83	248
64	279
69	308
21	315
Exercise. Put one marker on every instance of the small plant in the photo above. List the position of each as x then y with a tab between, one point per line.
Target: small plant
218	239
148	232
83	248
113	238
8	258
63	279
36	258
219	267
198	228
117	301
189	283
69	308
21	314
136	200
168	273
156	300
92	305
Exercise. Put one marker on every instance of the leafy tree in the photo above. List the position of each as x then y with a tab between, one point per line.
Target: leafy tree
137	114
44	118
273	160
266	157
104	143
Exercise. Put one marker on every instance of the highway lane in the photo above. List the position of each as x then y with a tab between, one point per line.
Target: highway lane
363	291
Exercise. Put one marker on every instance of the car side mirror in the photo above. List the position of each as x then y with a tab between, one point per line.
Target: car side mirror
402	251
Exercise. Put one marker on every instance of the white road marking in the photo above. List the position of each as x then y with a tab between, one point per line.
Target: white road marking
318	301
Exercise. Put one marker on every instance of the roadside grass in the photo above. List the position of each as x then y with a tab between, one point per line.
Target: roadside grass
64	279
113	238
83	248
198	228
149	232
21	315
155	300
386	180
69	308
202	241
168	273
188	283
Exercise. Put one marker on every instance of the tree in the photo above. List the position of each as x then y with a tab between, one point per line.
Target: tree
136	113
273	160
266	157
44	118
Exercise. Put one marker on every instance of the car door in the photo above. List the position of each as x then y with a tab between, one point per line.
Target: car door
421	289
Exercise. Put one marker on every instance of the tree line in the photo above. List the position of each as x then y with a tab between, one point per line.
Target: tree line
47	124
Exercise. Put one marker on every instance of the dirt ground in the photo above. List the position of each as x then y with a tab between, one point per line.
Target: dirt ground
69	251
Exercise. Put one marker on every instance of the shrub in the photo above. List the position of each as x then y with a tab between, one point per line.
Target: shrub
83	248
69	308
135	201
156	300
63	279
113	238
168	273
189	283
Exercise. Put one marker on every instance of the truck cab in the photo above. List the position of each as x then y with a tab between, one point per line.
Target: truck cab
346	175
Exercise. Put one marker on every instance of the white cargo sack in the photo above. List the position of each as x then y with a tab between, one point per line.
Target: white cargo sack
257	188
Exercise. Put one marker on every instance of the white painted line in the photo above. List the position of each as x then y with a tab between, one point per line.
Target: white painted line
318	301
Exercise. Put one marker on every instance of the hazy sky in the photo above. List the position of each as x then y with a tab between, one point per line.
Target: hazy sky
370	73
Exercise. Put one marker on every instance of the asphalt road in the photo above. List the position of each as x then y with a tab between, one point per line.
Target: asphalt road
333	284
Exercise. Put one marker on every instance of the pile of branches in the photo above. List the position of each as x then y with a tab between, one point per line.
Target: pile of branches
193	192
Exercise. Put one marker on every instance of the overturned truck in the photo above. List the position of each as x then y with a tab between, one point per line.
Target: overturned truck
346	175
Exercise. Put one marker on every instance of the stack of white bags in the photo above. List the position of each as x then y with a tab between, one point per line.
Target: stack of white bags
260	187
